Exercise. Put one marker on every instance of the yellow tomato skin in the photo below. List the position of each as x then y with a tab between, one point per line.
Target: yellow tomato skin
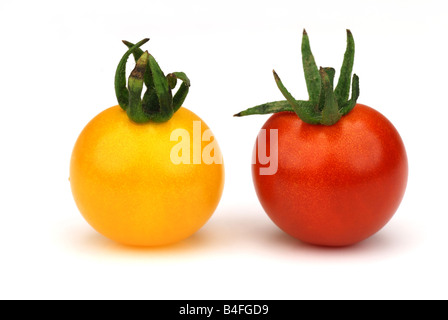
127	187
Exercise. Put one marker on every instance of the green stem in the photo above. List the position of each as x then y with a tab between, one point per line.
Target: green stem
158	103
330	110
326	105
331	73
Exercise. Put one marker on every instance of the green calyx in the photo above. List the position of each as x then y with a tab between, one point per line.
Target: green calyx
326	105
158	103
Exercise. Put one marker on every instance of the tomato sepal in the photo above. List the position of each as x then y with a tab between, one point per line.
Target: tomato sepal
328	103
183	90
350	104
323	107
312	76
267	108
135	87
121	91
158	103
304	110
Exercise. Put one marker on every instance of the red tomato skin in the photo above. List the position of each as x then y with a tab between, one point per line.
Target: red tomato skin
335	185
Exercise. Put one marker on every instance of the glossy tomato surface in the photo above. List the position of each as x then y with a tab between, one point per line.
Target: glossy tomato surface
127	186
335	185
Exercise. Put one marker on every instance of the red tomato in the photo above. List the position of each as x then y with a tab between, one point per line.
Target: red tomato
335	185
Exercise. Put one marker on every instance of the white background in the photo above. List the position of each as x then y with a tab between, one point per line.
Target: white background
57	63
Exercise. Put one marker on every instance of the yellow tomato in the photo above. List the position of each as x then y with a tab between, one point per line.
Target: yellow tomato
127	186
